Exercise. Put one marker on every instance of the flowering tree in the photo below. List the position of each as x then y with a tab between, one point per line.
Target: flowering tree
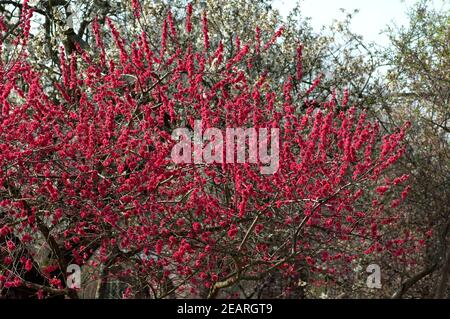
86	175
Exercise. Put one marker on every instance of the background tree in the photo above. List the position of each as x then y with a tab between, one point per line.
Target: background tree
417	88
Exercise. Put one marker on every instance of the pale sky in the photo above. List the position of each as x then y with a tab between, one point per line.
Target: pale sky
373	15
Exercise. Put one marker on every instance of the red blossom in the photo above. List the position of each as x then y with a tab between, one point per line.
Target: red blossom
90	174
